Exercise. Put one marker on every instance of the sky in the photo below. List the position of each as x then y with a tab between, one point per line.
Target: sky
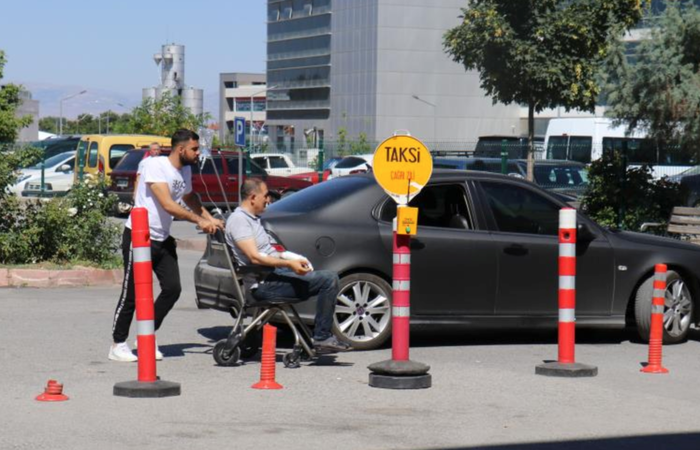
57	48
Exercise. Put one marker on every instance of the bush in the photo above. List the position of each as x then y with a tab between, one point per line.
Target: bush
630	196
74	228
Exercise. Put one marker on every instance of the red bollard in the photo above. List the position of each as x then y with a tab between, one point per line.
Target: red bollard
52	393
566	365
143	284
148	383
400	372
401	300
267	366
656	333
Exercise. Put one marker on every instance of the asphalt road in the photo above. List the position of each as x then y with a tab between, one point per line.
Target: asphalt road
484	393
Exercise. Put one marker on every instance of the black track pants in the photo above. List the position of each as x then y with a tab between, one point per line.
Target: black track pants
164	261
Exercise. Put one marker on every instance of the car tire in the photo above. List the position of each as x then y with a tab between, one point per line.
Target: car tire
363	311
678	310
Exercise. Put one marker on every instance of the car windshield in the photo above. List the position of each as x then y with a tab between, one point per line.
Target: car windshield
54	160
349	162
130	162
320	195
560	176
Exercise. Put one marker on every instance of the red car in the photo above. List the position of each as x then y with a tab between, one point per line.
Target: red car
204	179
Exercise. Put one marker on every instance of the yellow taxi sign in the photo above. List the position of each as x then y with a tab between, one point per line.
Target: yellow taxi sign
402	166
406	220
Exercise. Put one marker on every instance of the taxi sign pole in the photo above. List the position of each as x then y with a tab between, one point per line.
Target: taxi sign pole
397	165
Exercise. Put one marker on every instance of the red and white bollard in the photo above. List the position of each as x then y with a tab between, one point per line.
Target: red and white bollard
566	365
401	297
400	372
148	383
656	333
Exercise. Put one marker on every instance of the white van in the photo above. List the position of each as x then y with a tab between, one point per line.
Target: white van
585	140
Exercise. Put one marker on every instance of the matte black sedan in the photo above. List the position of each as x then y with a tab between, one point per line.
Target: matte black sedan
486	256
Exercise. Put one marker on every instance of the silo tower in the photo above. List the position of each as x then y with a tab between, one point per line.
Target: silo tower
171	61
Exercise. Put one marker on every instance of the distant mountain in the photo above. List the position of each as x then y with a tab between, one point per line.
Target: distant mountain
97	100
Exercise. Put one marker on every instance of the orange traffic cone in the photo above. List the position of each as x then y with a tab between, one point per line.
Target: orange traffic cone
267	368
52	393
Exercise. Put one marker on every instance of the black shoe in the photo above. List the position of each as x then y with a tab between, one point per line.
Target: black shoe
331	345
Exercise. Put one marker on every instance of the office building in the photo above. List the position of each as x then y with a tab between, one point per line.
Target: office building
239	94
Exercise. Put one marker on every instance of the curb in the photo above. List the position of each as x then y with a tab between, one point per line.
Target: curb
197	244
43	278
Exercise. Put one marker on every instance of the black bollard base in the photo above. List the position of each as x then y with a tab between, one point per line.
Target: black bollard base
392	374
143	389
570	370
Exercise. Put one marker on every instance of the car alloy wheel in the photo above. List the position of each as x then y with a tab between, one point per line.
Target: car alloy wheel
678	308
363	311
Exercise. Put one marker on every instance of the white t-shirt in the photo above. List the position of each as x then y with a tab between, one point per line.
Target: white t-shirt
160	170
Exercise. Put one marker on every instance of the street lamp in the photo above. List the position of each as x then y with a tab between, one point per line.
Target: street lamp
434	114
60	107
99	119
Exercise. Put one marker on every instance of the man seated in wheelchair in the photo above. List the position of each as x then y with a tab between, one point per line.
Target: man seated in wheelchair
292	277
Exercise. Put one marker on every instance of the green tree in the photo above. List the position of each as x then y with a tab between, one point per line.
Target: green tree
163	117
660	93
10	100
539	53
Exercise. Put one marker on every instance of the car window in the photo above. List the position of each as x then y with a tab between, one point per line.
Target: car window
92	154
517	209
50	162
69	163
580	148
349	162
560	176
131	161
208	168
116	152
443	206
255	169
277	162
321	195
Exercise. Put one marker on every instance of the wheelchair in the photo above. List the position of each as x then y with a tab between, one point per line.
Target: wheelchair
245	339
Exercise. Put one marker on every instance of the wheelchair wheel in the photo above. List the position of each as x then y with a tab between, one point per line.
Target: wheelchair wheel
291	360
251	345
221	359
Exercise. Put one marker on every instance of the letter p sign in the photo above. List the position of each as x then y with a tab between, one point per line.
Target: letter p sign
239	123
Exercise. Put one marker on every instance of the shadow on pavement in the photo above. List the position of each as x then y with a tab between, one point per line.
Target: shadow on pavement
176	350
685	441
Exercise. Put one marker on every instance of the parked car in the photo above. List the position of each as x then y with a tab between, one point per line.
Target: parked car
485	256
568	179
352	165
204	179
279	164
57	145
58	177
100	153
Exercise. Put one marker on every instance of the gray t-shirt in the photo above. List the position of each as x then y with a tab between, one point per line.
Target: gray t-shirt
242	225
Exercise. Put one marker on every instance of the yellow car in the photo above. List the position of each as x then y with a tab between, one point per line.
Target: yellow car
99	153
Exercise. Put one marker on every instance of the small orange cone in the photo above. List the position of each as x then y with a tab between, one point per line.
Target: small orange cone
656	332
267	369
52	393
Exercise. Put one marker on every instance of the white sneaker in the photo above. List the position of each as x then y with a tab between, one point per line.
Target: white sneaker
159	355
121	352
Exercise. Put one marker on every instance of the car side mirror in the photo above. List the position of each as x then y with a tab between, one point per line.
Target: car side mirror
65	168
584	233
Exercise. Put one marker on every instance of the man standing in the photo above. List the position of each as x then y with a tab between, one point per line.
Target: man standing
163	183
292	278
153	150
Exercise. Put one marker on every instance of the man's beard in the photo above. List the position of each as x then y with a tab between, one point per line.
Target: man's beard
186	162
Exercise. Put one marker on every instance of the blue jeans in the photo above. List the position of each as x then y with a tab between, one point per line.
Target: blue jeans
286	283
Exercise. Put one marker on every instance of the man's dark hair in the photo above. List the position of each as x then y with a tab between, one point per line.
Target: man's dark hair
250	186
183	136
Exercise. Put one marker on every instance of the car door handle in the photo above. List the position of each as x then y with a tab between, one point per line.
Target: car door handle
232	178
516	250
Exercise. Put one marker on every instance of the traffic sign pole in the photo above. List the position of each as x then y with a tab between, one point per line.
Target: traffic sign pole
402	166
239	133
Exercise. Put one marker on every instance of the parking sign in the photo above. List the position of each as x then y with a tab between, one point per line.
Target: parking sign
239	123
